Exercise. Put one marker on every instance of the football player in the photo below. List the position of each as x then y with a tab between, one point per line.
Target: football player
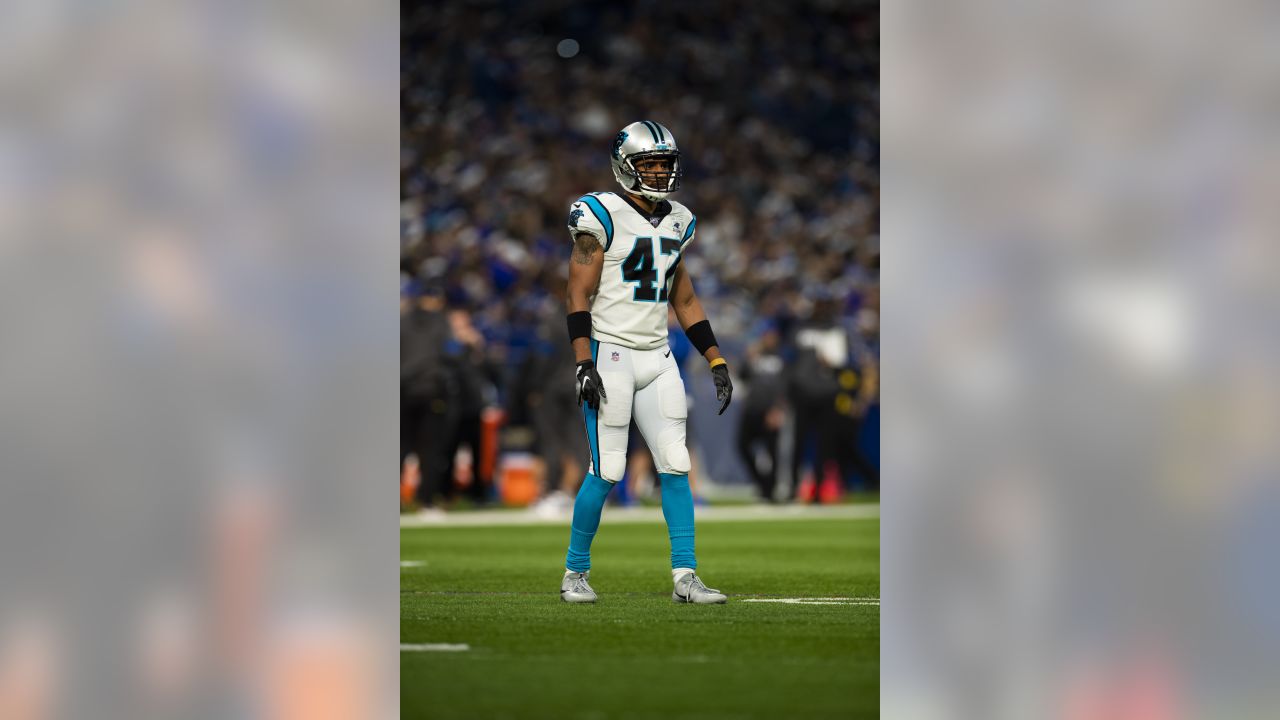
624	272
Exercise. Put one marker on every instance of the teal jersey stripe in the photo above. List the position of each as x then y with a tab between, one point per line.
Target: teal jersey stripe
602	214
688	232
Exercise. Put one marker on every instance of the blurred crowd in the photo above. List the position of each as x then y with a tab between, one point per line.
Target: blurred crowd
508	111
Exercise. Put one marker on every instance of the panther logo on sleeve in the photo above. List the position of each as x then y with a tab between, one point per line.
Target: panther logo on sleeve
573	216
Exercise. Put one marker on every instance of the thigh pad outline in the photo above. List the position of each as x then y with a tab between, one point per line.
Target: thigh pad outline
616	410
671	399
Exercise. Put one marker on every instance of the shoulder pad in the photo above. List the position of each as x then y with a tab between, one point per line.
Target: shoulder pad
588	214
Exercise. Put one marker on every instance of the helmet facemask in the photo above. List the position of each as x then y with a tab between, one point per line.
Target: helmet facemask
661	183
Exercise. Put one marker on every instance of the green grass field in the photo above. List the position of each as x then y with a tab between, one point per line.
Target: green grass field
635	654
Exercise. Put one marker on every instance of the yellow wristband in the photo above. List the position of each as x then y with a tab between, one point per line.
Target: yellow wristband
718	362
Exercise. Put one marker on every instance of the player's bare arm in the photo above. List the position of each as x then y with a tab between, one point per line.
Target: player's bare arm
694	321
584	278
688	308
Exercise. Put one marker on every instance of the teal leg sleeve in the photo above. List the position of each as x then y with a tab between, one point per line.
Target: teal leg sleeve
677	508
586	520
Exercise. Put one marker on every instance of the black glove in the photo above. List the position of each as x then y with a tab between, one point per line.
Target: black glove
724	387
590	387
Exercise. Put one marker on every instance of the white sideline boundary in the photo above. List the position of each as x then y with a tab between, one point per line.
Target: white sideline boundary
615	515
817	601
434	647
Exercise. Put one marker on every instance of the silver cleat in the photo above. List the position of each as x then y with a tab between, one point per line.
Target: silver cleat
574	588
689	589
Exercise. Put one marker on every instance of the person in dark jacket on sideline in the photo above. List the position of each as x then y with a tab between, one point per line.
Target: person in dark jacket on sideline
763	411
426	392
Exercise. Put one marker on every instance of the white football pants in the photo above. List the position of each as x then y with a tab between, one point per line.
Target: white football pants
646	385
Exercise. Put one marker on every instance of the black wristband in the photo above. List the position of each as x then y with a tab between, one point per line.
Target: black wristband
701	336
579	324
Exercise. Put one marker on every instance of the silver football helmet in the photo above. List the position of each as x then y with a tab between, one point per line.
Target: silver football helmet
644	140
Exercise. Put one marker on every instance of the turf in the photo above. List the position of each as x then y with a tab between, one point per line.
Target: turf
635	654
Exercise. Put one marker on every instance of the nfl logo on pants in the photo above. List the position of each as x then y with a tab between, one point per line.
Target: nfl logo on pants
615	356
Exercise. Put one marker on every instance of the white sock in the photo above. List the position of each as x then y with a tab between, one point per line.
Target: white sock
568	572
678	573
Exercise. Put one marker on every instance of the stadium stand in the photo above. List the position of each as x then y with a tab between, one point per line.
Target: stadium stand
508	110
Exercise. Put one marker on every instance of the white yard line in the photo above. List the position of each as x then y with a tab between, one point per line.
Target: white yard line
617	515
818	601
434	647
412	563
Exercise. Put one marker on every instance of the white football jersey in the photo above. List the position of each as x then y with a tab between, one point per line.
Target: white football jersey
640	257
